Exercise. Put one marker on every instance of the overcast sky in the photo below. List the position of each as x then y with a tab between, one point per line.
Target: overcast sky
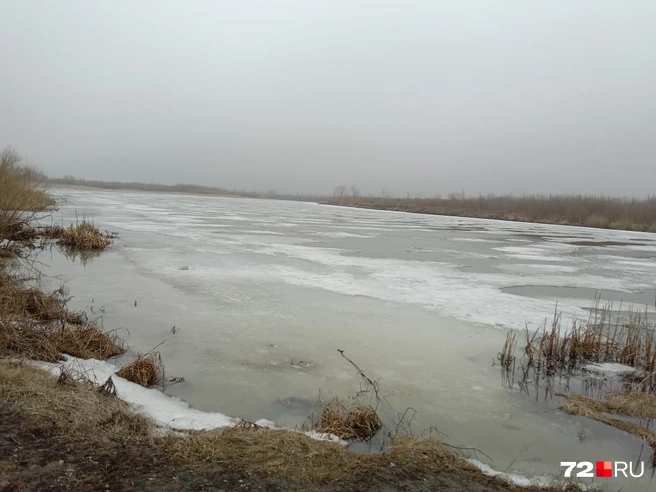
423	97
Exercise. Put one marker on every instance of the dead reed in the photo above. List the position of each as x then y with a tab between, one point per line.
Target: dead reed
554	352
146	370
506	356
358	422
602	338
82	236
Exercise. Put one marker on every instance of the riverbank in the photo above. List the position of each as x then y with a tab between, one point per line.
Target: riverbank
66	432
572	210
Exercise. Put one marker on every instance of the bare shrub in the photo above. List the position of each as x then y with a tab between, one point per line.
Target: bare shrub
23	197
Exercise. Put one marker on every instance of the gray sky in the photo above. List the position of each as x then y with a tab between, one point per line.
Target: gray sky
417	96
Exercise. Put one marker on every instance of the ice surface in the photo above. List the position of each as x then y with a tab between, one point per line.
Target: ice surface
437	278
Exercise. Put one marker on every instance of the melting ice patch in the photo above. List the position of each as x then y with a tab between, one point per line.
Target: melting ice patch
435	286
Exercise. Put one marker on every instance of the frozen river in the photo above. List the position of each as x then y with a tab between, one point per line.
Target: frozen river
262	294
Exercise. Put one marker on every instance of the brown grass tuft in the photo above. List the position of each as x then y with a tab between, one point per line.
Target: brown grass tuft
38	326
87	342
83	236
36	341
30	303
507	354
29	339
632	403
146	370
356	423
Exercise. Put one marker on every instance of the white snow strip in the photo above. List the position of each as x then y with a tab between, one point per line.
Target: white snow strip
512	477
609	368
166	411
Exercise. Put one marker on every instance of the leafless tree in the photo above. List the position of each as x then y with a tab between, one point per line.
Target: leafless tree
340	191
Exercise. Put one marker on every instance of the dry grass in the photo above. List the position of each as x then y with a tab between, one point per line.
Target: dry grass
632	403
89	342
36	341
580	210
74	408
629	403
146	370
506	356
82	236
38	326
359	422
592	409
29	303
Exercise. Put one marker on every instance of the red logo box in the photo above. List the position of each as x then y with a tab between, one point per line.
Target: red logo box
604	469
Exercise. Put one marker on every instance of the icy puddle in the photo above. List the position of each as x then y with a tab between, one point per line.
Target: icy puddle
262	295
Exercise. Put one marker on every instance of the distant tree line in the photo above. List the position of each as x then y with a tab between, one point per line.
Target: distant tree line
183	188
636	214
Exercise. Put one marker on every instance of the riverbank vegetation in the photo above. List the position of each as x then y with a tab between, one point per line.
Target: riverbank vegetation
80	236
630	214
99	440
23	199
601	367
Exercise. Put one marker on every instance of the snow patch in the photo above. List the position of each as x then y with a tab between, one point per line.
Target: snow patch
520	480
609	368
